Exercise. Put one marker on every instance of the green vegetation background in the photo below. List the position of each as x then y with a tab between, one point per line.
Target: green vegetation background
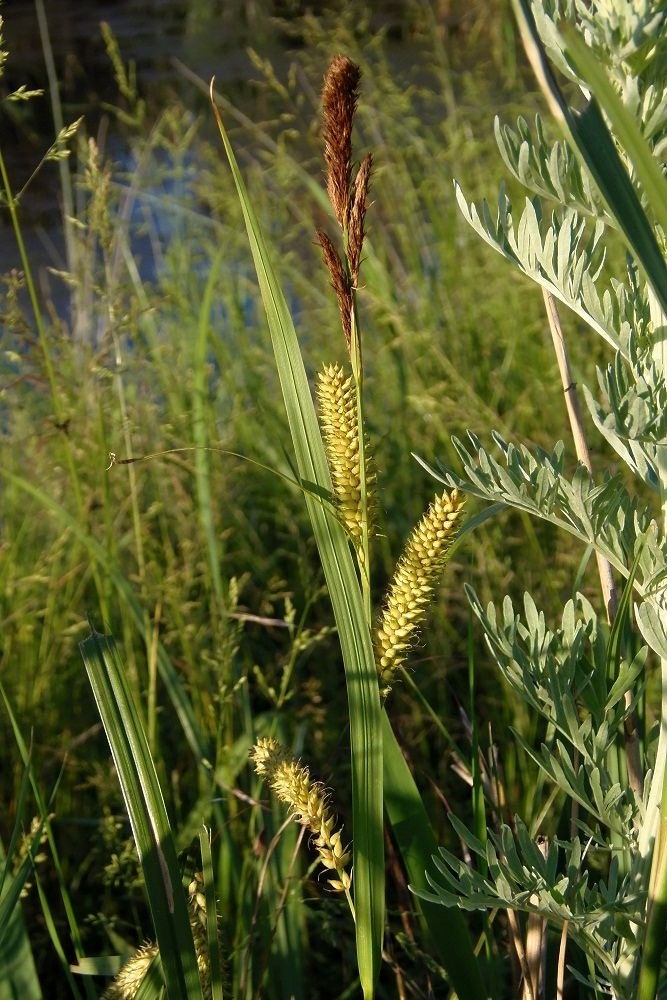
204	561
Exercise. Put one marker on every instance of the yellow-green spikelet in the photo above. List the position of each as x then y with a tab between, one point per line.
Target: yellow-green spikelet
308	802
198	924
338	417
416	575
126	984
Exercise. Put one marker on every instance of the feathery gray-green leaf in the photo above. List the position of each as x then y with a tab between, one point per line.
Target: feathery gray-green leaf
591	138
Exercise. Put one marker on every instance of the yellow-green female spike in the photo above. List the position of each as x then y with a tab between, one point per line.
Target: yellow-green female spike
338	416
416	575
126	984
308	803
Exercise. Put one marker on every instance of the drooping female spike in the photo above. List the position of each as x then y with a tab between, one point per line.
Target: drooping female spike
308	803
126	984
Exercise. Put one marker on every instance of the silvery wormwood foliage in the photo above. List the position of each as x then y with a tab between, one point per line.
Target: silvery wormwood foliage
576	676
562	675
563	250
602	514
628	35
512	872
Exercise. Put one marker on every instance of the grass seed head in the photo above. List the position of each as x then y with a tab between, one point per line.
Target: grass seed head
415	578
339	103
198	924
308	803
126	984
338	415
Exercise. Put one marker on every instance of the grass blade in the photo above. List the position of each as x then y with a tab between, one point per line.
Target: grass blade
345	593
147	813
200	431
44	809
623	123
19	974
215	965
417	845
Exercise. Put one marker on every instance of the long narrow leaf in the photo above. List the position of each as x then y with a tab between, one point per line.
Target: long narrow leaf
147	813
19	974
626	130
43	807
345	593
418	846
200	429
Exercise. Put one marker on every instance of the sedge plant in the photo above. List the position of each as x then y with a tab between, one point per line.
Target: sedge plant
335	474
336	478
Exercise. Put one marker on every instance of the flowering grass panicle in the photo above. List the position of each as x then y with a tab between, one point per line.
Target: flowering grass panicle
416	575
338	415
308	803
349	198
339	103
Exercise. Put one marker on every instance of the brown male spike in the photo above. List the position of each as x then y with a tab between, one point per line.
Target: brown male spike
358	208
340	281
339	103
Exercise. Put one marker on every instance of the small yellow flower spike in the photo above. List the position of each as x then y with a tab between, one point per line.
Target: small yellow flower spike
417	573
198	923
126	984
338	415
308	803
